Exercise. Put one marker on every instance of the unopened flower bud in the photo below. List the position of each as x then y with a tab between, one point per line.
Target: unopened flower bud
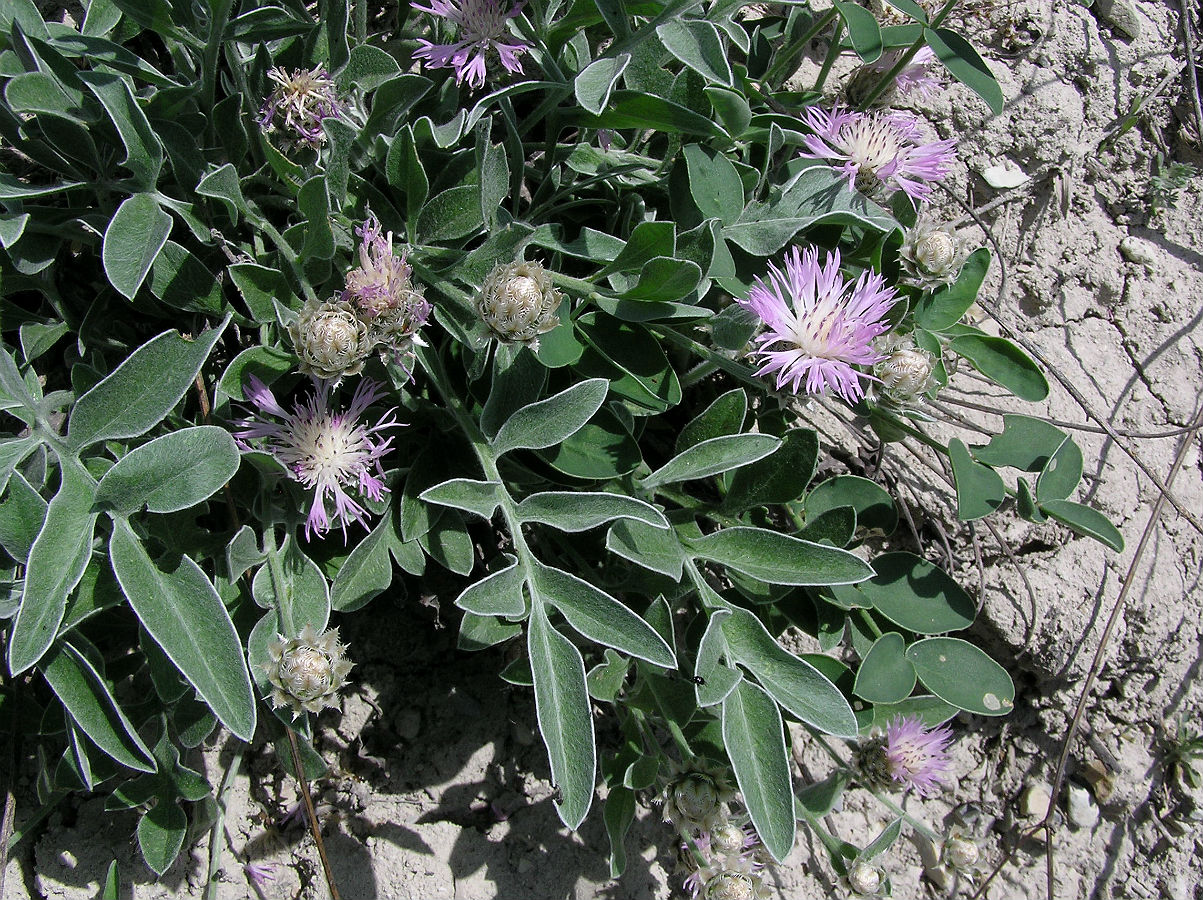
330	339
728	838
905	374
864	878
932	255
518	302
696	796
730	886
961	853
307	671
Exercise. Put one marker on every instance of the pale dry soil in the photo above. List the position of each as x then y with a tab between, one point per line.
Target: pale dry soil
439	788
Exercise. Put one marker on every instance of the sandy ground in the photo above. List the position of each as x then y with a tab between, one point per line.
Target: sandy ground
443	793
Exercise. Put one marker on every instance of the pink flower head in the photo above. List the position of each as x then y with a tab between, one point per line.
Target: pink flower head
300	102
381	288
917	757
820	326
325	450
482	27
882	150
259	874
916	77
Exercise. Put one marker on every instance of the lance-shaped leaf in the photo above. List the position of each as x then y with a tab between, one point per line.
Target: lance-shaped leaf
794	683
779	558
142	390
57	561
710	457
571	511
133	239
87	698
479	497
656	549
755	742
180	609
717	680
562	707
546	423
498	594
368	571
172	472
600	617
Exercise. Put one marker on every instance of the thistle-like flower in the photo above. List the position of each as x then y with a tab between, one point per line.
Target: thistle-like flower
518	302
482	27
878	152
330	339
932	255
915	78
330	452
299	103
729	885
307	671
819	325
381	290
905	374
910	755
259	874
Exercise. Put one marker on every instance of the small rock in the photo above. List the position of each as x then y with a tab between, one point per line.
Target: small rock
1005	176
1035	801
1120	15
1083	812
409	724
1137	250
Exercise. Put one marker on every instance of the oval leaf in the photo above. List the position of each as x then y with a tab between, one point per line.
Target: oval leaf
963	675
885	675
980	490
172	472
1085	521
136	234
181	610
919	596
1001	361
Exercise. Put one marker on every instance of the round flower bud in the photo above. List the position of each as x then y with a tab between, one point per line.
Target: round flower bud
905	374
731	886
518	302
728	838
961	853
695	796
864	878
932	255
330	339
307	671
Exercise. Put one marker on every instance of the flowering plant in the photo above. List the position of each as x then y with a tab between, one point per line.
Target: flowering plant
612	278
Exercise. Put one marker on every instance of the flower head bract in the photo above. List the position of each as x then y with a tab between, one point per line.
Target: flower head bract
819	325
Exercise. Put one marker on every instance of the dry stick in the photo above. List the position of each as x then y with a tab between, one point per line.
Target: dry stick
1192	72
309	810
994	410
1096	665
1069	386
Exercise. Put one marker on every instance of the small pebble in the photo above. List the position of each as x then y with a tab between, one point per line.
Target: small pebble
1035	801
1083	812
1137	250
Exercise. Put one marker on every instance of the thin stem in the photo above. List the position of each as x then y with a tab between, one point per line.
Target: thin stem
903	61
279	584
833	51
10	780
783	58
868	620
314	825
216	833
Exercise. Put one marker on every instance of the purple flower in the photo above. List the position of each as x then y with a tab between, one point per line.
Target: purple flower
300	102
482	27
327	451
381	290
883	150
819	325
916	76
917	757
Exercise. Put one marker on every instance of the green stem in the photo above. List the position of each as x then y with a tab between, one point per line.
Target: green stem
290	256
217	27
783	58
279	584
216	835
868	620
361	21
888	78
833	51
